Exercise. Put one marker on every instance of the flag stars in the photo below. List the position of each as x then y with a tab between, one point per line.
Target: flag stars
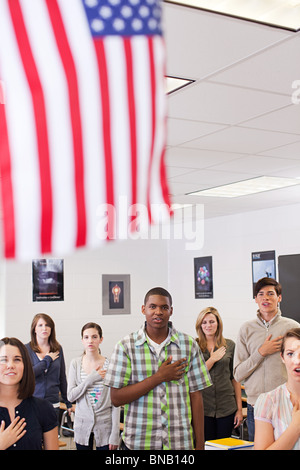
126	11
91	3
144	11
124	17
97	25
137	24
105	12
119	24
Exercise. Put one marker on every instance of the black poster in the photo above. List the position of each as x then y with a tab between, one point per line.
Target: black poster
203	275
47	280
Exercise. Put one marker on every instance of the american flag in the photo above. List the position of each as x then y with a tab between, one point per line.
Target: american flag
82	123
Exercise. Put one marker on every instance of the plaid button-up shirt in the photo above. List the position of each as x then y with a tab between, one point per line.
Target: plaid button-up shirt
162	418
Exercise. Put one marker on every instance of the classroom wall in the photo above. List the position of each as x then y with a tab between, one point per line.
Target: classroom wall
145	261
229	240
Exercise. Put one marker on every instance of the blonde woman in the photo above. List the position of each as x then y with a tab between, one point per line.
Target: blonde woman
222	401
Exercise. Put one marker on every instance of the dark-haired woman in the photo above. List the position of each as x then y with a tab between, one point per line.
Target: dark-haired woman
96	419
48	362
26	422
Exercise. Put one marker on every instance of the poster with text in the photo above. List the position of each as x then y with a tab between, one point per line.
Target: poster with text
263	265
47	280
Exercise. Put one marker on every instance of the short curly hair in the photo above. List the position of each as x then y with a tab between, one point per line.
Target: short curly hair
158	291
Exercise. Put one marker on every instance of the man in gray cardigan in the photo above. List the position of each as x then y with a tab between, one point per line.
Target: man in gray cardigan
257	360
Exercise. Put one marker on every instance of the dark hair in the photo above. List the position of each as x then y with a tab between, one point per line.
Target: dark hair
267	281
53	343
27	383
293	333
158	291
91	325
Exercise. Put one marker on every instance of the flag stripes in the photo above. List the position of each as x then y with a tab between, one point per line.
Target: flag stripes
83	126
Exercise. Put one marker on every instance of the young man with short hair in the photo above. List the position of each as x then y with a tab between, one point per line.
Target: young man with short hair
158	373
257	360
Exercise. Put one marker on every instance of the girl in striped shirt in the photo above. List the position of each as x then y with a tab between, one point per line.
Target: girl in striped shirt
97	421
277	413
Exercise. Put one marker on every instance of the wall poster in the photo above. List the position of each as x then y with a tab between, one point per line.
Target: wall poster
47	280
263	265
115	294
203	277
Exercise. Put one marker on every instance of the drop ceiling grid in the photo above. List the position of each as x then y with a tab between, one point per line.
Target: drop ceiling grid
237	119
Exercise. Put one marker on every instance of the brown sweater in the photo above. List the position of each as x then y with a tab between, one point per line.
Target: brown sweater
260	374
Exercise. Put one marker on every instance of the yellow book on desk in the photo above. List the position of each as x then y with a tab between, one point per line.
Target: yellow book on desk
229	443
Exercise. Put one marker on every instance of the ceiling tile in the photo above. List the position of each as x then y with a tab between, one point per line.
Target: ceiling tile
243	140
205	42
257	165
288	151
222	104
181	131
282	120
209	178
276	69
197	158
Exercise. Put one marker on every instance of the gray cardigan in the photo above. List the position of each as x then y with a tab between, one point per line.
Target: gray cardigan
104	421
260	374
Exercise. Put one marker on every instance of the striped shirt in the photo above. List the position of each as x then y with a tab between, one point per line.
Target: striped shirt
162	418
276	408
95	390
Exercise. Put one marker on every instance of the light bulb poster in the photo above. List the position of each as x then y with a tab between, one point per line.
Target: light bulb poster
203	277
115	294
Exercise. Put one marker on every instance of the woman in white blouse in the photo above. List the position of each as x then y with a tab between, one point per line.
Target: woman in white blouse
277	413
96	419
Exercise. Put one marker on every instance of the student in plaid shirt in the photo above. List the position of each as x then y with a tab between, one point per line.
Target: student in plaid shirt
158	373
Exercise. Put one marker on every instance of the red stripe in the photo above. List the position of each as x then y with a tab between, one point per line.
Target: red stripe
6	189
40	123
163	174
163	179
132	119
106	131
153	120
71	76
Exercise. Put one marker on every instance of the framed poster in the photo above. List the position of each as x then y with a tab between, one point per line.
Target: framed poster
47	280
115	294
263	265
203	277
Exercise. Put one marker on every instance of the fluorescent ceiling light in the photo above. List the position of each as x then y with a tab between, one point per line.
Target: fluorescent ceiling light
175	83
280	13
246	187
